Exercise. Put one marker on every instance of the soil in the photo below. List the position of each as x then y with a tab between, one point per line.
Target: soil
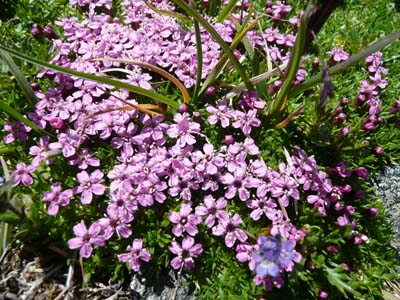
25	275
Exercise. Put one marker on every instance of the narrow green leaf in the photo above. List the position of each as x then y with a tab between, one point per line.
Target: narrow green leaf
223	60
15	114
279	103
226	11
255	80
343	66
113	82
166	12
224	46
9	217
199	49
23	83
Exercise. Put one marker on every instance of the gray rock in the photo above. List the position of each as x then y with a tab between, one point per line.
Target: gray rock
387	187
166	285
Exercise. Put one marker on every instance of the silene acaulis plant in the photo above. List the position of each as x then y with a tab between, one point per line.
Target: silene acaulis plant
217	139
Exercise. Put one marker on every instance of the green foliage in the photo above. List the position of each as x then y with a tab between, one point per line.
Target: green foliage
327	250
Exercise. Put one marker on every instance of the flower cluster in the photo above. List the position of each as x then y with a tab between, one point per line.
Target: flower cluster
170	164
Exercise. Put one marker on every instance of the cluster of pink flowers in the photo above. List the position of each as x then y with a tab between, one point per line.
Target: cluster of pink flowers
158	161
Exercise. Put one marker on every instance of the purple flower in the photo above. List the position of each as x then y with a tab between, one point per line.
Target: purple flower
245	121
262	206
207	162
229	228
17	131
89	185
185	253
21	174
184	130
220	114
184	221
116	223
338	55
244	253
135	254
239	184
273	255
84	160
68	142
39	151
212	210
284	188
86	238
57	198
361	172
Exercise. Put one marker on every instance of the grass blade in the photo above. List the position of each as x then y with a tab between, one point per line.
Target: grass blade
23	83
255	80
226	11
279	104
199	49
166	12
224	46
116	83
221	63
354	59
15	114
5	229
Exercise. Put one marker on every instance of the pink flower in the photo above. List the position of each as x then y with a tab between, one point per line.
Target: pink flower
185	253
212	210
184	130
57	198
135	254
86	238
21	174
229	228
184	221
89	185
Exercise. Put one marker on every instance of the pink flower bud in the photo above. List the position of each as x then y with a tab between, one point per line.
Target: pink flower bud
344	101
361	172
229	139
36	31
57	123
357	241
373	211
379	150
210	91
183	108
323	294
49	32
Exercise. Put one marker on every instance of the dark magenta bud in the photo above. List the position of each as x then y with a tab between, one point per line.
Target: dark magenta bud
359	194
379	150
35	86
315	64
373	211
183	108
49	32
229	139
350	210
57	123
36	31
344	101
210	91
361	172
357	240
323	294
